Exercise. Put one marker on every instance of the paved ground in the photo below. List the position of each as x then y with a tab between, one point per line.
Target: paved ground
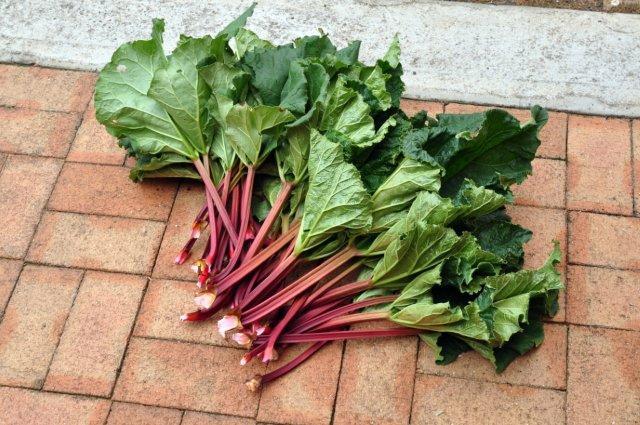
623	6
89	297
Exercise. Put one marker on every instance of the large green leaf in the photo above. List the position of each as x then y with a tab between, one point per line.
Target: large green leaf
182	91
234	26
122	103
401	188
489	148
419	248
293	154
246	126
336	201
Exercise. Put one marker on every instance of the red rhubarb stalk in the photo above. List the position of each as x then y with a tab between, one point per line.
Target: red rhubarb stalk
215	196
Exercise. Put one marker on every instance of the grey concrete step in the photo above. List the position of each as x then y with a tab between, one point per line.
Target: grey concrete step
514	56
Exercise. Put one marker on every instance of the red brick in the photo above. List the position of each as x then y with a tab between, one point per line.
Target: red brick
442	400
107	189
25	185
100	320
553	135
43	88
187	376
94	242
599	165
604	240
412	107
137	414
636	164
605	297
547	225
188	203
604	377
542	367
33	132
33	322
376	380
545	187
93	144
19	406
164	302
306	394
197	418
9	271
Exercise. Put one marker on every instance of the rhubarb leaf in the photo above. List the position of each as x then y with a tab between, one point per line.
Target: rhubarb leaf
246	125
122	103
234	26
336	201
401	187
182	91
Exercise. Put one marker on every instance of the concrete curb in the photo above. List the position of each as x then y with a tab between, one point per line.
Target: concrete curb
576	61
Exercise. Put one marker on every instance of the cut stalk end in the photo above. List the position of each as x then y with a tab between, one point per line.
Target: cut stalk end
254	383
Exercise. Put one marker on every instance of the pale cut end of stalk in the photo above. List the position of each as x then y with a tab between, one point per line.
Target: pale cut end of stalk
228	323
242	339
196	229
245	359
205	299
254	383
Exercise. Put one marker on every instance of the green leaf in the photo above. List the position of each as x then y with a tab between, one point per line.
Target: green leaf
489	148
418	249
402	187
347	114
247	41
418	287
349	55
232	29
182	91
392	57
270	70
123	106
292	156
164	165
219	107
225	80
336	200
246	126
294	92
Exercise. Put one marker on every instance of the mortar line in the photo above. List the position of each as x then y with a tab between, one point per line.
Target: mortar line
126	345
99	215
415	375
95	397
64	328
484	381
335	397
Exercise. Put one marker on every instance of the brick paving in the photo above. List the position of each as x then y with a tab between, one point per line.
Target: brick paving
90	299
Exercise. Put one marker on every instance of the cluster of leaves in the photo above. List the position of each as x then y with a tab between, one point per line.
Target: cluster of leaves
417	201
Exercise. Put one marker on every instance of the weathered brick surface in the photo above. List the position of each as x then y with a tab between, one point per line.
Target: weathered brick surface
137	414
9	271
545	187
604	377
548	362
164	302
19	406
376	382
442	400
604	297
553	135
187	376
604	240
636	165
33	132
93	144
107	189
411	107
95	242
33	322
599	165
96	334
547	225
43	88
197	418
25	184
307	394
189	201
